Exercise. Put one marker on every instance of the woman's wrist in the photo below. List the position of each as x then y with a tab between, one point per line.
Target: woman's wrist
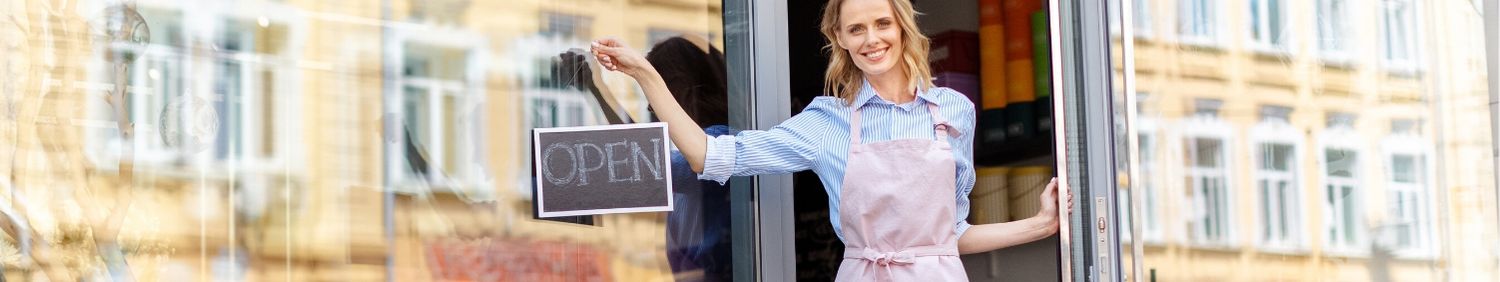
647	73
1046	215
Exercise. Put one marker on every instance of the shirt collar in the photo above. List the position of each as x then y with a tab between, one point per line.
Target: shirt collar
867	93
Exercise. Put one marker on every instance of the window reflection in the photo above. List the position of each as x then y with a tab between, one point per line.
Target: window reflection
1277	192
302	140
1289	145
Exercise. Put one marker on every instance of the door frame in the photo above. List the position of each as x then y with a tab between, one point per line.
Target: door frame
761	206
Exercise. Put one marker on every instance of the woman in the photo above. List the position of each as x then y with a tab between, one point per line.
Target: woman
897	172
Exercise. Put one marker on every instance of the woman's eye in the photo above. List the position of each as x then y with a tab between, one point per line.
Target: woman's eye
856	29
884	24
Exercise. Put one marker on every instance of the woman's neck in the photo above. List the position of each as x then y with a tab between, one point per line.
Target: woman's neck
892	86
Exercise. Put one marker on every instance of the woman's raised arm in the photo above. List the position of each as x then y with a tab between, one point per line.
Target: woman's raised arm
685	133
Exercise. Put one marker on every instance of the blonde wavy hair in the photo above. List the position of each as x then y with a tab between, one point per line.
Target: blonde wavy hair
843	78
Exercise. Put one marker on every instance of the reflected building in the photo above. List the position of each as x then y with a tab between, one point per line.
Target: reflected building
258	136
1312	140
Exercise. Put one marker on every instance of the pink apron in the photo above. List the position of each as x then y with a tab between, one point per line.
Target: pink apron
896	208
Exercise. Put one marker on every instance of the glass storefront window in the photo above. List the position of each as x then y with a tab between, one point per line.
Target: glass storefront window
311	140
1315	140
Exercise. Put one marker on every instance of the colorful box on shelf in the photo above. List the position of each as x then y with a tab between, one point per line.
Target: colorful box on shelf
955	51
990	201
968	84
1025	186
1020	120
1042	74
990	128
991	54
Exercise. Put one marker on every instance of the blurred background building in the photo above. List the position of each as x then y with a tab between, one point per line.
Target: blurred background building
178	140
1311	140
256	149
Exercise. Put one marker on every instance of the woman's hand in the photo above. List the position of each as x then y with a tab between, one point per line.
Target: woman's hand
1049	205
615	56
685	133
988	237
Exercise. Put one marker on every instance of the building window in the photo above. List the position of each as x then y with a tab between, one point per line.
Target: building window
1342	196
1407	197
167	108
235	84
1198	21
231	122
1277	187
1150	221
247	80
1206	177
548	101
440	117
657	35
1398	40
1268	25
1206	148
1333	29
566	26
1341	185
1141	20
1408	201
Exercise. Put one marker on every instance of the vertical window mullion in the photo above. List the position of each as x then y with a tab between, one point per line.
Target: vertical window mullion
435	146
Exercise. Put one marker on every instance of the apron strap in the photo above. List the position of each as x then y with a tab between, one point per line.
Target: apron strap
854	126
905	256
940	128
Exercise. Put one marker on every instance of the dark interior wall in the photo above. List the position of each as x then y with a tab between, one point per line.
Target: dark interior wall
818	249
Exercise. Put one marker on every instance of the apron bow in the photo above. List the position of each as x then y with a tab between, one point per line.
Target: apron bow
890	258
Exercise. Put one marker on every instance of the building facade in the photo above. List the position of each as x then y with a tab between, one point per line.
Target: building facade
251	140
1294	140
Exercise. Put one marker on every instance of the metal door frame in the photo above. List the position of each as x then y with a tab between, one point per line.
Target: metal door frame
757	57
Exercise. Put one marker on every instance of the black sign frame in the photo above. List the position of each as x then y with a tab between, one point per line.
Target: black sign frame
541	183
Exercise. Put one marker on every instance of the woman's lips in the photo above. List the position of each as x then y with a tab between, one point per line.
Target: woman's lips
875	56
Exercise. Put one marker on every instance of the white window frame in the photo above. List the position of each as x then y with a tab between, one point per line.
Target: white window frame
205	23
1150	182
1213	14
470	180
581	26
1409	21
1141	18
1334	39
1278	132
525	52
1418	192
1342	138
1210	127
1259	19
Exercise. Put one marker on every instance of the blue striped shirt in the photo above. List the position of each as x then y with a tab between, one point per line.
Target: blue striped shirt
818	139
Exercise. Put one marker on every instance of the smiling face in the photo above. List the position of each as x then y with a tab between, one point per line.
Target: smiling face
868	31
872	39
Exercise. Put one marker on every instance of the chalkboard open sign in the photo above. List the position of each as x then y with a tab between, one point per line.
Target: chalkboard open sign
588	170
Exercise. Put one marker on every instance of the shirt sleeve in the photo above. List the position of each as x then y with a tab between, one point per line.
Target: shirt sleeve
789	147
963	149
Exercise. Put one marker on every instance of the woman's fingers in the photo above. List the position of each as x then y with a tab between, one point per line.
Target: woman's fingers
609	42
608	47
605	53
